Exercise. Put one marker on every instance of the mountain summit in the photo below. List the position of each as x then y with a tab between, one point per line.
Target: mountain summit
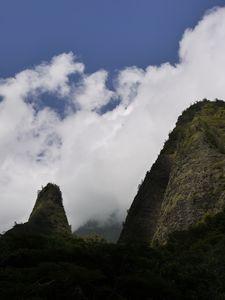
48	215
187	182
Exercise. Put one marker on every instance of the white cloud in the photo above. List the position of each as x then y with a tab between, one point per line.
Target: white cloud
92	93
99	160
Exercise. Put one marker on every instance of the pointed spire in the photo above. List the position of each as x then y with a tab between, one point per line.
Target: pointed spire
48	215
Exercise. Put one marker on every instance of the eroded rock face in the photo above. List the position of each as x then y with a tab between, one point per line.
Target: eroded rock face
187	181
48	215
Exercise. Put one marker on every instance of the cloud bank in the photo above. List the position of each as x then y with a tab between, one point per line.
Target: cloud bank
98	159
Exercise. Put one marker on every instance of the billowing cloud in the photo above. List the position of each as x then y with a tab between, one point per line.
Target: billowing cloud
98	159
92	93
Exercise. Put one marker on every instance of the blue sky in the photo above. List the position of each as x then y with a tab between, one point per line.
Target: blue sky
109	34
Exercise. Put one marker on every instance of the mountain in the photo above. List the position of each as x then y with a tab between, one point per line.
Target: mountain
187	182
184	189
109	231
48	215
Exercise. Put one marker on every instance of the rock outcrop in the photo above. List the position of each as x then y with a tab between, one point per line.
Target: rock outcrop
187	181
48	215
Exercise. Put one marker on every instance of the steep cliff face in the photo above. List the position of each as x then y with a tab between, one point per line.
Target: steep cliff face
187	181
48	215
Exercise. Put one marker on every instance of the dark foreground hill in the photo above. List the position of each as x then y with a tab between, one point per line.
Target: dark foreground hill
190	266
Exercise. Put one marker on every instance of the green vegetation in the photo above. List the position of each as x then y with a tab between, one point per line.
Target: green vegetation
190	266
204	117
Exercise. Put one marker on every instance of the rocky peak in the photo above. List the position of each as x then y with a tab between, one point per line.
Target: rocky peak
48	214
187	181
49	194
